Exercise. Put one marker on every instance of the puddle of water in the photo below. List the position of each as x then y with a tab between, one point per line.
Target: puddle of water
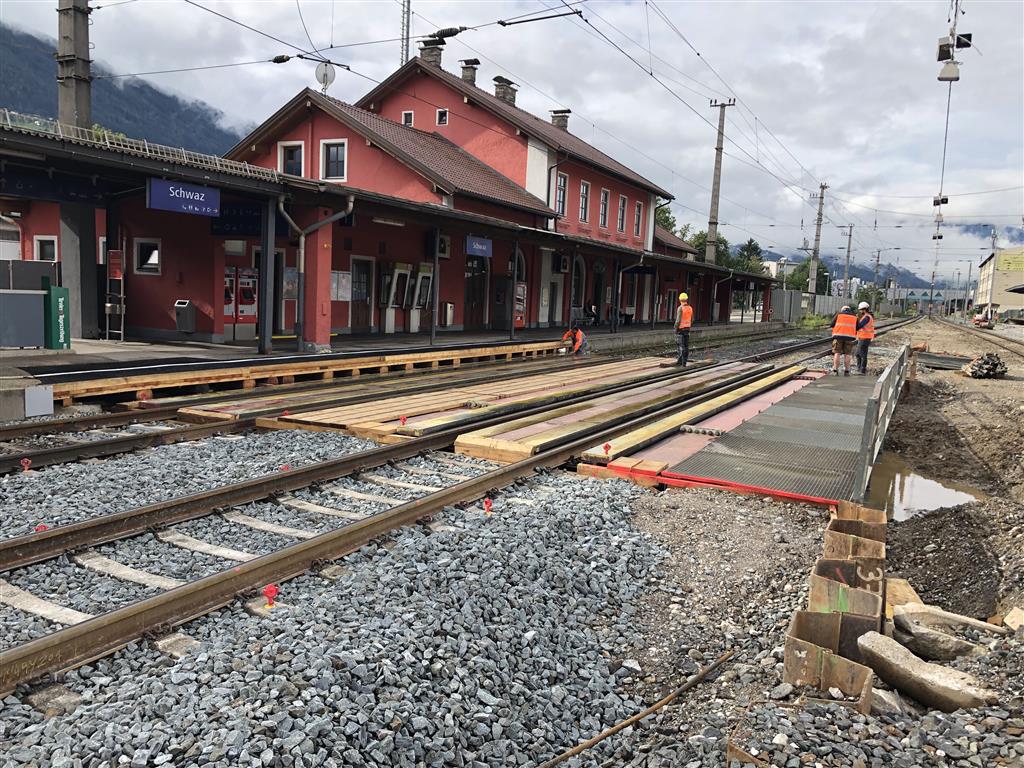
903	493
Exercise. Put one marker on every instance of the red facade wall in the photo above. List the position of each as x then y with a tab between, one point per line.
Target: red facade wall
486	137
367	167
571	224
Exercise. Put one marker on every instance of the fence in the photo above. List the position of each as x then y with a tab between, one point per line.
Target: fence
792	306
880	408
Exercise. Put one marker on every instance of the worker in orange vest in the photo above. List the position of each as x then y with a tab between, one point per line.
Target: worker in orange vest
576	339
684	319
844	333
865	333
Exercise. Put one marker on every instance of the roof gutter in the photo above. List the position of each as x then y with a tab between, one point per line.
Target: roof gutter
301	299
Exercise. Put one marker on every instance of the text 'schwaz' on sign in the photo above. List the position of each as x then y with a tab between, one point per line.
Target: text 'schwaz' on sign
174	196
478	246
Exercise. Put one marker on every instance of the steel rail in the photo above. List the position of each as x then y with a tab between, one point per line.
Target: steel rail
142	415
96	448
1010	345
20	551
93	638
123	444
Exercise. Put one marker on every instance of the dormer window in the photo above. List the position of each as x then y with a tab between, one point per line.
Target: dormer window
289	157
407	118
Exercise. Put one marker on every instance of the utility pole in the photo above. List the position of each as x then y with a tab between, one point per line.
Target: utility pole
812	274
969	265
74	80
77	220
406	18
991	277
716	184
846	272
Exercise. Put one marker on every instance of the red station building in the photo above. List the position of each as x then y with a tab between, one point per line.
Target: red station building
528	224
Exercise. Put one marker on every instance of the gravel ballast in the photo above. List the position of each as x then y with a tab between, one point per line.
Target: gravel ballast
67	493
490	645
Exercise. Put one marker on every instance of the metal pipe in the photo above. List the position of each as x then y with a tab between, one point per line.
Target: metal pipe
300	303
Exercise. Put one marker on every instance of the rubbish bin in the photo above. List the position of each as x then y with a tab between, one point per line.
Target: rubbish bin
185	315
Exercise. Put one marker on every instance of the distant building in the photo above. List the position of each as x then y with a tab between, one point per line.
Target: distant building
1007	266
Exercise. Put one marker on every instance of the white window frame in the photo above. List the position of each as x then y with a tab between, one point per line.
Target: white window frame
412	118
281	145
620	220
323	159
605	202
37	239
136	242
638	218
561	186
101	245
447	117
584	202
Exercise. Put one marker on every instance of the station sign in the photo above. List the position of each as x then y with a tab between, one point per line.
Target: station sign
174	196
478	246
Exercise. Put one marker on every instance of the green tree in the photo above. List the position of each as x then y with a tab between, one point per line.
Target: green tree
748	258
100	133
870	294
722	255
796	278
663	217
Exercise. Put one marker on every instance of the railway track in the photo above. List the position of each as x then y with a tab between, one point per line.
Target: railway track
166	430
1014	347
388	481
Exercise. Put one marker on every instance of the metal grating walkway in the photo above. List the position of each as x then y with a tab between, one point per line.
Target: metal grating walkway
808	444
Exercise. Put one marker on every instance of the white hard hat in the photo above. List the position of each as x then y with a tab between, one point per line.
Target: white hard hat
863	305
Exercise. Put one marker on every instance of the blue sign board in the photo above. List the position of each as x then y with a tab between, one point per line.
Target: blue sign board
182	198
478	246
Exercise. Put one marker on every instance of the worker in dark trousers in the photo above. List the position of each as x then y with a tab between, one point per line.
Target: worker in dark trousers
684	319
844	333
865	333
576	340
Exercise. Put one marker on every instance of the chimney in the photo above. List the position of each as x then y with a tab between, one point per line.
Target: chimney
560	118
505	90
430	52
469	67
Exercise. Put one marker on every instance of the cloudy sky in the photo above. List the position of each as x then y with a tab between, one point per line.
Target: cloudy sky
841	92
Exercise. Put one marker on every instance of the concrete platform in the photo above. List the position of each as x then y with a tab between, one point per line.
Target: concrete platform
806	445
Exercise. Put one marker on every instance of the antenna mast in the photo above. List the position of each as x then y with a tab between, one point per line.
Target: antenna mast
406	15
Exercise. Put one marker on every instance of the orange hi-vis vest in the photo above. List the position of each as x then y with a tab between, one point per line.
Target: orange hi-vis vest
845	327
867	331
577	339
685	317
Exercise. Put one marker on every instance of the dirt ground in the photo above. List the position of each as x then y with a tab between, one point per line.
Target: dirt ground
971	431
735	570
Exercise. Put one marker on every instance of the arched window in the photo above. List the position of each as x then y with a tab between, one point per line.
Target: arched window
520	267
579	281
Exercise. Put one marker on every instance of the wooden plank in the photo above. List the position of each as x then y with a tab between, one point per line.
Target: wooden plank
651	433
249	375
500	451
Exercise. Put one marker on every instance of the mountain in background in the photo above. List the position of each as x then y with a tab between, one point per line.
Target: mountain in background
904	278
132	106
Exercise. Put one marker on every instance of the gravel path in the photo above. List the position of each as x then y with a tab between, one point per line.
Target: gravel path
493	645
66	493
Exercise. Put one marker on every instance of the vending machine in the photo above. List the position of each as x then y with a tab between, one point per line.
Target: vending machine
246	304
519	308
